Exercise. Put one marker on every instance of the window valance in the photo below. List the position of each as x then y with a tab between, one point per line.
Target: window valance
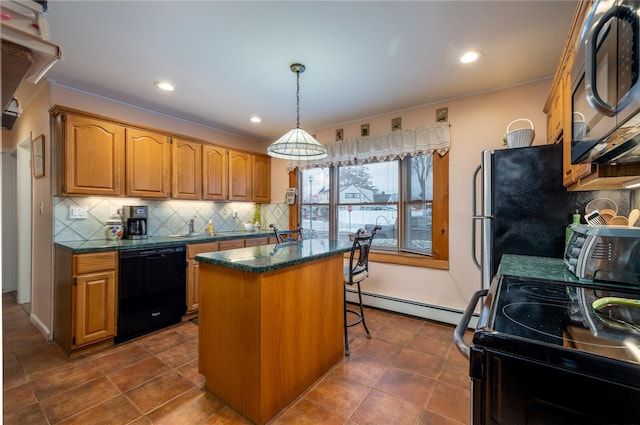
396	144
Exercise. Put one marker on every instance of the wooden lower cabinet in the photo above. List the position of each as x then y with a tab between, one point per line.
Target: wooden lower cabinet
256	241
193	268
85	299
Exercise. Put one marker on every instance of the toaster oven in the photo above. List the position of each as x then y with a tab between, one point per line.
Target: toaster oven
607	253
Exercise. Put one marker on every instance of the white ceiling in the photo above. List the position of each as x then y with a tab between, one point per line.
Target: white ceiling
230	59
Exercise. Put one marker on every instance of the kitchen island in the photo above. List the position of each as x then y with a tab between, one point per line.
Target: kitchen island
270	322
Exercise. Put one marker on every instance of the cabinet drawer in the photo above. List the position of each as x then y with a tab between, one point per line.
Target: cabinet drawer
232	244
94	262
256	241
198	248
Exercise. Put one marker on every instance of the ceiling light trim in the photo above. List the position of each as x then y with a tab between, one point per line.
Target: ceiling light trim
471	56
164	85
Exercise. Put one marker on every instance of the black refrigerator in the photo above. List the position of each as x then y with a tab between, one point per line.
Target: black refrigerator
520	206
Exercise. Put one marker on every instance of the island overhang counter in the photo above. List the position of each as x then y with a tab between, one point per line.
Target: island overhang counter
270	322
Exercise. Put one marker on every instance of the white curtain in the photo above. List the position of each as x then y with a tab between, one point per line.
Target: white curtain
397	144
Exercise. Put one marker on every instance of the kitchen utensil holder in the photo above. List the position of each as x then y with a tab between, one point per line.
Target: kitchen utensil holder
521	137
594	219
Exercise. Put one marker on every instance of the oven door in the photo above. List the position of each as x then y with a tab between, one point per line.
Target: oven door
533	360
510	389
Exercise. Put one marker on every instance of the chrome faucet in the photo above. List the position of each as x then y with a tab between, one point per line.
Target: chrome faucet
191	224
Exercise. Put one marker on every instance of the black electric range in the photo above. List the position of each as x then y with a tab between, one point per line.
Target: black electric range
550	352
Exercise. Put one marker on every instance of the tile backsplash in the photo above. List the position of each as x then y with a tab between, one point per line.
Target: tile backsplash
165	217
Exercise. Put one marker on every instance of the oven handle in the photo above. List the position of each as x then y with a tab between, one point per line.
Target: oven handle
591	63
458	333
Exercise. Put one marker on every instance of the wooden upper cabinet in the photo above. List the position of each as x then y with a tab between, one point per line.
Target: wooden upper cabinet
90	156
148	164
214	173
239	176
186	169
100	156
261	178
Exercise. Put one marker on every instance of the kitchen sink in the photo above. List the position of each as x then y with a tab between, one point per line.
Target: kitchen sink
191	235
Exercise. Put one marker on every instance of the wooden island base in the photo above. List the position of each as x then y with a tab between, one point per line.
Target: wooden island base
265	337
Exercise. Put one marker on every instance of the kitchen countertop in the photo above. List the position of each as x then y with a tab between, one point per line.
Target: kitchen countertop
536	268
154	241
266	258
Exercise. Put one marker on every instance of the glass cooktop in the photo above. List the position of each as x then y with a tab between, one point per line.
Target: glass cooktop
585	318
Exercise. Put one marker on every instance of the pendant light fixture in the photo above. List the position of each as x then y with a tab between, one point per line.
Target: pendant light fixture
297	144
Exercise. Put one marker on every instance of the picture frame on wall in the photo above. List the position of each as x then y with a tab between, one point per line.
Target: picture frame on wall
396	124
442	115
339	135
364	130
37	156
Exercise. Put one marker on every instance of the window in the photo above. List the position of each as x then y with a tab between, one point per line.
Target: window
405	197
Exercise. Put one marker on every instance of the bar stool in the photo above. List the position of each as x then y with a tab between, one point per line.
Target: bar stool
354	273
292	235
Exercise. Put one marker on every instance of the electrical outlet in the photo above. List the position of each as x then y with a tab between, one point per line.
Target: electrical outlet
115	211
235	214
77	212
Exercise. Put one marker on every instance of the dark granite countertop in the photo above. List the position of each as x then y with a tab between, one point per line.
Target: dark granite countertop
535	268
266	258
154	241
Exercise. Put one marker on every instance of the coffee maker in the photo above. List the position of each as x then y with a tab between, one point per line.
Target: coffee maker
134	221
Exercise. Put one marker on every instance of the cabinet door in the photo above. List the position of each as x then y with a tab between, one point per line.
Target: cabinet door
93	156
239	176
148	162
95	307
193	286
261	187
193	273
186	169
214	173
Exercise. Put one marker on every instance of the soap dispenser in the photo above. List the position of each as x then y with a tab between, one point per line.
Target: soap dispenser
210	228
569	231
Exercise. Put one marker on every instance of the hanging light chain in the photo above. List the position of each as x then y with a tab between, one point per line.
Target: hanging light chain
298	99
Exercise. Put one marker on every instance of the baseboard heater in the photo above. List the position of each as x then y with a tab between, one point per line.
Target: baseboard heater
411	308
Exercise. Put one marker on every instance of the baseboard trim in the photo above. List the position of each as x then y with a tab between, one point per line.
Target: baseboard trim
411	308
41	327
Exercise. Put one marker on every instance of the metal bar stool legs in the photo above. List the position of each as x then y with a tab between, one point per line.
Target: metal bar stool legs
356	272
359	319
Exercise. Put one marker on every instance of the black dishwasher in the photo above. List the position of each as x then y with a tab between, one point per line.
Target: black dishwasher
152	286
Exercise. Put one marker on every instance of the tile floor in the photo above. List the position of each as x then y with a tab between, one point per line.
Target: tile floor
408	373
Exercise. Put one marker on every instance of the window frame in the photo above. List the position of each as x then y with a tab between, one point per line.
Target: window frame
439	258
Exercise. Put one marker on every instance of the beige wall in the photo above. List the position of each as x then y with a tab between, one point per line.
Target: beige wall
477	123
79	100
35	122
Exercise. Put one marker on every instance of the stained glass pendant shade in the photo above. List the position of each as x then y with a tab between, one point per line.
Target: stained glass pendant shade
297	144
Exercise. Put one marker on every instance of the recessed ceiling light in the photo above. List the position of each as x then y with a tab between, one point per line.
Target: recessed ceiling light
471	56
255	119
164	85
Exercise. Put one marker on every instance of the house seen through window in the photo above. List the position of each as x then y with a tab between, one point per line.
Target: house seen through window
397	195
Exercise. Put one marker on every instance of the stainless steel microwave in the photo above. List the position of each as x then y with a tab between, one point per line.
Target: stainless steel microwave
605	100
